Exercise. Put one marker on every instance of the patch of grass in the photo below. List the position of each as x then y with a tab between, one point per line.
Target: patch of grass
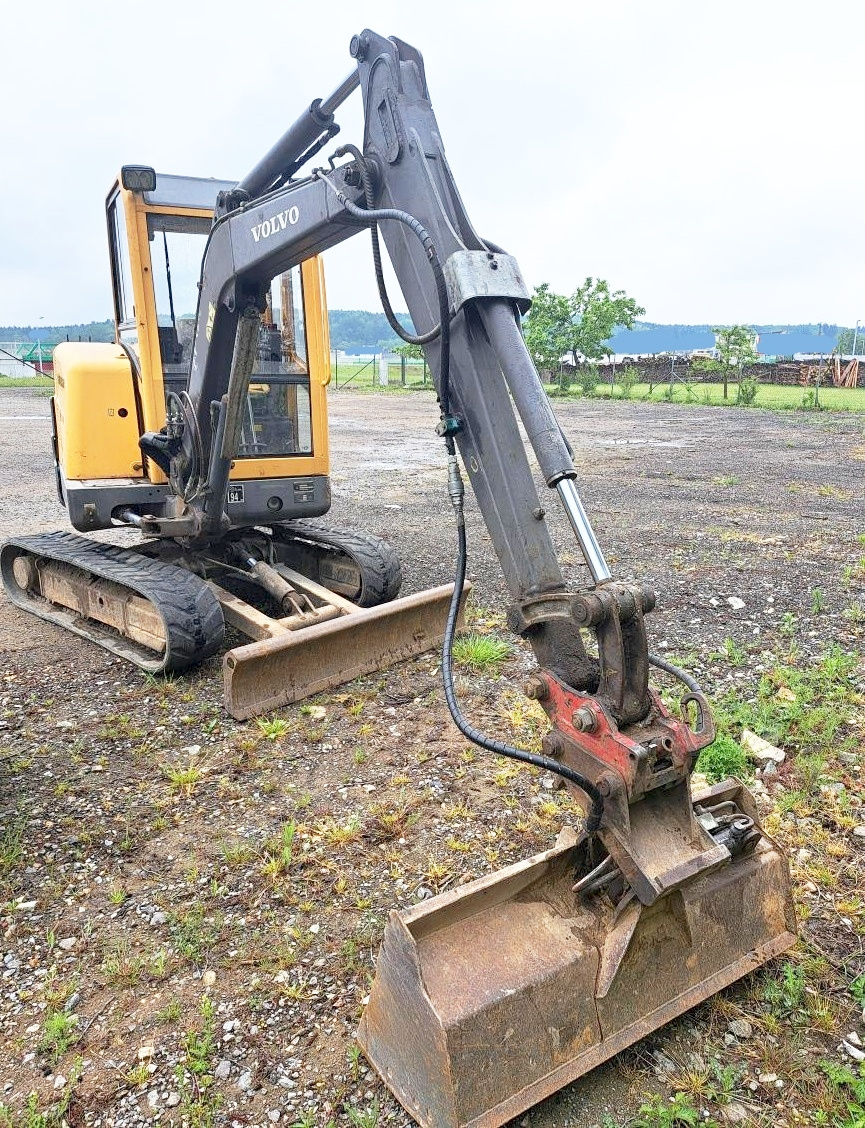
341	834
195	1075
35	381
849	1087
723	758
656	1112
363	1118
52	1117
11	845
279	854
785	993
273	728
121	966
800	708
481	653
193	934
59	1034
170	1013
734	653
182	779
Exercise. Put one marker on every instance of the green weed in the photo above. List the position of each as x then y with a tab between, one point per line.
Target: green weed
656	1112
59	1033
363	1118
818	601
195	1075
723	758
785	993
274	728
481	653
11	845
193	934
280	853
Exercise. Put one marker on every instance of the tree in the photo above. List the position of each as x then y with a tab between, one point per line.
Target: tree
410	352
544	328
580	324
737	346
850	340
407	352
595	313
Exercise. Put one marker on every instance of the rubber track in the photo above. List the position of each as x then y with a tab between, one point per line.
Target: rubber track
190	612
379	566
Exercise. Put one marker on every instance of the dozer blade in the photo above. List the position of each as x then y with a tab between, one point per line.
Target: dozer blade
490	998
292	665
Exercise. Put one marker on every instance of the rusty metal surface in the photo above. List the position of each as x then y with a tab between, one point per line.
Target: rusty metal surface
488	999
271	672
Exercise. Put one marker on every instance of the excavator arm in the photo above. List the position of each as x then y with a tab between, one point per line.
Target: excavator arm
693	893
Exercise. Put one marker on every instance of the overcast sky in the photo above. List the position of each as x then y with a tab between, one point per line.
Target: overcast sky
706	157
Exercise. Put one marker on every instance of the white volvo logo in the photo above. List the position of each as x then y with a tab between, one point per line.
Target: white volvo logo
280	221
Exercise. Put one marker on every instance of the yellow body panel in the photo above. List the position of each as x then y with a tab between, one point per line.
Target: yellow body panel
94	405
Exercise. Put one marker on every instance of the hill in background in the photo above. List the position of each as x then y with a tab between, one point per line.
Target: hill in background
362	331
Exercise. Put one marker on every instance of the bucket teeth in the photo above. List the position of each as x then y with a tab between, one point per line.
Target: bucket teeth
490	998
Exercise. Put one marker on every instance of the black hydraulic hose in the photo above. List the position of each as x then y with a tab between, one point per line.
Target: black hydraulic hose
369	196
593	819
455	488
680	675
376	215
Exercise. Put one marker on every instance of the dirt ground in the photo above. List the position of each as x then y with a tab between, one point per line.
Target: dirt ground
191	906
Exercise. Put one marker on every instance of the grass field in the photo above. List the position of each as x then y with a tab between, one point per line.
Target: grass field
365	378
26	382
774	396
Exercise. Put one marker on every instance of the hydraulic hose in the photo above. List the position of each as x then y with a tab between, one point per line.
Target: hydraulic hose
680	675
369	197
593	819
456	490
376	215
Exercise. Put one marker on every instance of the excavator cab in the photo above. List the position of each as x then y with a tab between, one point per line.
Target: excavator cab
157	237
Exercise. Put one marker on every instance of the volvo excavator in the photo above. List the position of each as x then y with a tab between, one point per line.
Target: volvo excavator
203	429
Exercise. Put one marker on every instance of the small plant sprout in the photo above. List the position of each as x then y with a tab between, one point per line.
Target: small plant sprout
481	653
273	728
59	1033
182	779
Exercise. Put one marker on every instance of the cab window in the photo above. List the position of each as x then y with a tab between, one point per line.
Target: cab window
277	421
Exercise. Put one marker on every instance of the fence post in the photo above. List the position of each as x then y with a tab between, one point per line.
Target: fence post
382	369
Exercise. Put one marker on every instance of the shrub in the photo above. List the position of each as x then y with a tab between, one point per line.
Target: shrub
627	379
747	391
589	378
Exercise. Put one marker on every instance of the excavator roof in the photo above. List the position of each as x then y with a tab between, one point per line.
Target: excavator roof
183	191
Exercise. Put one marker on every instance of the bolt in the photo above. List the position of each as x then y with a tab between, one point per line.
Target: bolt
553	745
359	46
607	784
536	688
584	719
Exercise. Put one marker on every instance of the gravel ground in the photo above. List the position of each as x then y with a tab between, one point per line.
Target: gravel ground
190	906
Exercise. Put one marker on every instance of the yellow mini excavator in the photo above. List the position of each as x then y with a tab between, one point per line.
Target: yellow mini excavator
204	428
252	558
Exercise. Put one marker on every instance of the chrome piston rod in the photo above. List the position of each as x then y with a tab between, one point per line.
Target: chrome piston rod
585	534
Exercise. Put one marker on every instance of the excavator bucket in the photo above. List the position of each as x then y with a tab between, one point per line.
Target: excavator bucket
292	664
492	997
